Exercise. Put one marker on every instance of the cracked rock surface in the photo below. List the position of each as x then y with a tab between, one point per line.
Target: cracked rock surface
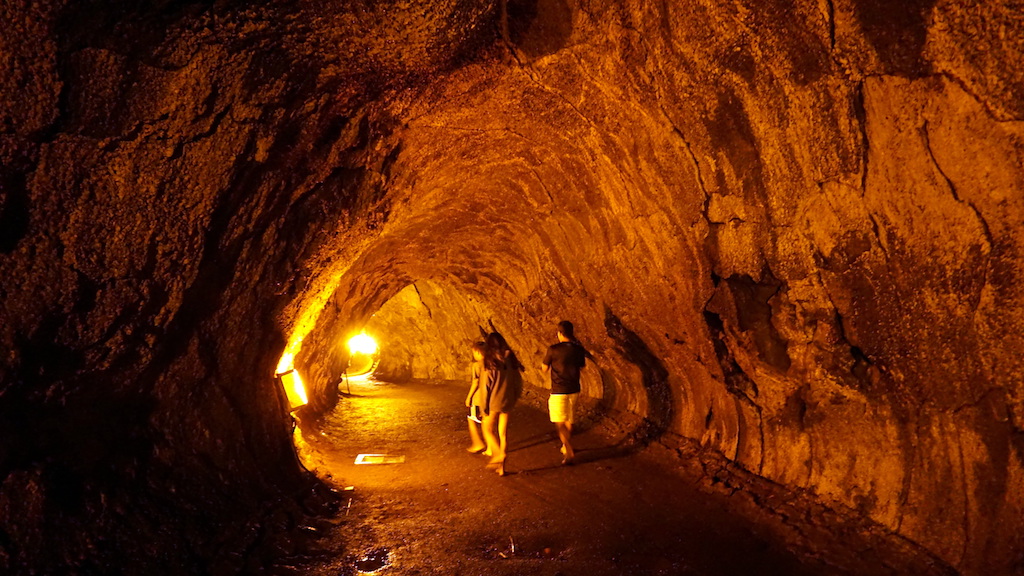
789	231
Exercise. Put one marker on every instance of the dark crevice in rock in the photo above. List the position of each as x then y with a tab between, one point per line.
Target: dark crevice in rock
830	5
738	60
179	149
696	163
654	374
133	133
85	293
14	210
999	115
956	195
796	406
754	315
875	229
861	365
860	113
152	255
332	131
543	185
389	161
737	382
1016	442
45	361
860	376
424	303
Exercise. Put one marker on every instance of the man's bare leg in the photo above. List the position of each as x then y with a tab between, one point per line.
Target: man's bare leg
565	435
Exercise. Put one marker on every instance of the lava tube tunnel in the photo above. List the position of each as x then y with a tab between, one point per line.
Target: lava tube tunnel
249	251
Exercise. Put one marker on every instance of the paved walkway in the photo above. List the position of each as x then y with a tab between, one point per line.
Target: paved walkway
615	512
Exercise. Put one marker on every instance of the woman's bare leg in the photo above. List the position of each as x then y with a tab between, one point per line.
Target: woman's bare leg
503	432
476	436
490	435
494	443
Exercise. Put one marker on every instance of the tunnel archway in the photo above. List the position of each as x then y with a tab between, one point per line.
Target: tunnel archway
789	230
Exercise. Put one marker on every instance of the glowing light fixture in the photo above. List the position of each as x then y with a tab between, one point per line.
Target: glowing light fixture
362	344
294	388
290	380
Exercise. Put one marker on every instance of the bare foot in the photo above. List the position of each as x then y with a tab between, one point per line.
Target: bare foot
498	466
475	449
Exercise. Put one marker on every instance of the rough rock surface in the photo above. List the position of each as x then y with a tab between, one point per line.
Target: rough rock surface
788	230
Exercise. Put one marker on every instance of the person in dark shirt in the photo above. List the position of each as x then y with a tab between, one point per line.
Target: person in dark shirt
564	361
502	384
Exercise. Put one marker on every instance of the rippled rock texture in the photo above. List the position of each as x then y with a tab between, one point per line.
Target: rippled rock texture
790	231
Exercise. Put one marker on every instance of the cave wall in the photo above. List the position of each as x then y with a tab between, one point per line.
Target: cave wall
416	344
167	172
787	230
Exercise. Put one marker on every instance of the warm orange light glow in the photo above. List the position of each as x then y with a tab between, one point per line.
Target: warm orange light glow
286	363
362	344
294	388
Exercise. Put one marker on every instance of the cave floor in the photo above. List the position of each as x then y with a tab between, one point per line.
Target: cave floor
615	512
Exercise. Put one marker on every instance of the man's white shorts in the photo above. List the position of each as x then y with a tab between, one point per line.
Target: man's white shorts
561	407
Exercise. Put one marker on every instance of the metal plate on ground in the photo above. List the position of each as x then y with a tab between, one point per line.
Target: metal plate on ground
379	459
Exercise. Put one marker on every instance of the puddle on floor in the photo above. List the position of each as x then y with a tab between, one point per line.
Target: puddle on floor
373	561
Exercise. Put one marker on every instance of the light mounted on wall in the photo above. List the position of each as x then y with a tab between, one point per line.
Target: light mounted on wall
291	382
293	388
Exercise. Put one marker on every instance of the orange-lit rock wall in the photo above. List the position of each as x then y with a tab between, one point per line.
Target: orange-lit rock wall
790	231
420	344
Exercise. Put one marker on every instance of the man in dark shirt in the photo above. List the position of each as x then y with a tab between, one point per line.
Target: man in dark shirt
564	361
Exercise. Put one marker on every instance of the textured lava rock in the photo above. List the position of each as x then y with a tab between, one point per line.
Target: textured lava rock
790	231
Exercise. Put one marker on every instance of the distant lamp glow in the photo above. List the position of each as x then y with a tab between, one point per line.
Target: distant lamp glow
362	344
